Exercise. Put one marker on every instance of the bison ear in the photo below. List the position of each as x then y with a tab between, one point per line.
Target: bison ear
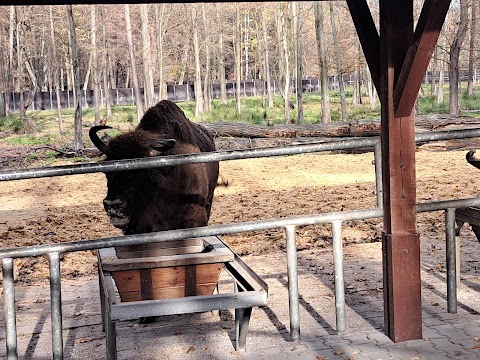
160	146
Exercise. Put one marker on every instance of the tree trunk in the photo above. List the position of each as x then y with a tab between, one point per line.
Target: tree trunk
133	66
207	94
72	40
286	51
106	92
434	69
326	117
10	79
357	91
338	61
238	60
198	70
160	17
297	26
455	48
56	79
441	73
87	74
146	56
96	84
221	57
186	50
471	54
267	61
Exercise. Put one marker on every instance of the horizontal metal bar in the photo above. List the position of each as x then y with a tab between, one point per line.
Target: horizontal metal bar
137	164
447	204
446	135
138	239
138	309
303	220
163	161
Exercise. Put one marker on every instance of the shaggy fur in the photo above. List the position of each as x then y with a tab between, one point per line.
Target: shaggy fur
140	201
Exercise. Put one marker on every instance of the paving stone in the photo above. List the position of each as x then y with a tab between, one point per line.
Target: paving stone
212	337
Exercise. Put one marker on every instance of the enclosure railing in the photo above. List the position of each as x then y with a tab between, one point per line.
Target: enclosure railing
53	251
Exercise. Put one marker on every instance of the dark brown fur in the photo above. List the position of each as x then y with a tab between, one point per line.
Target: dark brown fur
140	201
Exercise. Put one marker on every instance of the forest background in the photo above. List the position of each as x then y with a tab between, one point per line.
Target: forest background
148	47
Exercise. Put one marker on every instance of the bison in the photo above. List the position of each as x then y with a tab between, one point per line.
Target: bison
166	198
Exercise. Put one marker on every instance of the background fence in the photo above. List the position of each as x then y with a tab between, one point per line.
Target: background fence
46	100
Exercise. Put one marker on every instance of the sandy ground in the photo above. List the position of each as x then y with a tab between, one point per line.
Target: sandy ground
70	208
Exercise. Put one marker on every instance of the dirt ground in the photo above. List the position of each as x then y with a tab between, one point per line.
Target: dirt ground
70	208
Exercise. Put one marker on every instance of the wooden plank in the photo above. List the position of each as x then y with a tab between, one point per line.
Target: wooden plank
368	36
418	56
166	277
166	261
138	252
170	293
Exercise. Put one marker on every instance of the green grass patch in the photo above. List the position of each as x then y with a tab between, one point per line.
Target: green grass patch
30	139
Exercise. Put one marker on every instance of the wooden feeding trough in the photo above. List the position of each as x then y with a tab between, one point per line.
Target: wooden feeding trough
175	277
167	270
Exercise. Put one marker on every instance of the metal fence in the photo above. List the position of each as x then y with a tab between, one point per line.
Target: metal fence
53	251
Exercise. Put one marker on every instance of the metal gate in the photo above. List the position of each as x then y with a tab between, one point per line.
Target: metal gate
54	251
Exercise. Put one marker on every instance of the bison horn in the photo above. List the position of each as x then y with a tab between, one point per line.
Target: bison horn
96	140
472	160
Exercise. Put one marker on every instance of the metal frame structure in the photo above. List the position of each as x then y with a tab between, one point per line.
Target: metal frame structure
288	223
249	291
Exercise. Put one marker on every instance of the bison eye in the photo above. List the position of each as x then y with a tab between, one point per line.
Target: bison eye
164	144
153	153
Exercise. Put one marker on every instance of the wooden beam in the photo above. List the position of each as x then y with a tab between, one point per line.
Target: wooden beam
418	55
401	245
368	36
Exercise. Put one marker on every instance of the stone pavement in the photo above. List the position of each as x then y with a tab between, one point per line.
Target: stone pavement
211	336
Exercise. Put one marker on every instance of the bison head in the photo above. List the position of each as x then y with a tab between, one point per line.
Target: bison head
130	192
472	160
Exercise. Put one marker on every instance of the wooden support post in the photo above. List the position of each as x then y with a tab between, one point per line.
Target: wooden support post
401	245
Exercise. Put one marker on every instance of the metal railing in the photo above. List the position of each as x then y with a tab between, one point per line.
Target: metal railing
288	223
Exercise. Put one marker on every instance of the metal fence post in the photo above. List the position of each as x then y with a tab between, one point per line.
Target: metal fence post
9	309
293	296
56	305
451	260
338	273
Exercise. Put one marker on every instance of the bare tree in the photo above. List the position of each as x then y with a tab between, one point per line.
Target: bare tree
471	54
238	59
148	91
455	48
283	19
133	66
96	82
338	62
160	16
267	61
198	71
221	57
106	91
326	117
297	27
72	41
56	79
207	93
357	91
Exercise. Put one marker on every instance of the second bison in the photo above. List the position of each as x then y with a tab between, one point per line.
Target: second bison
166	198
